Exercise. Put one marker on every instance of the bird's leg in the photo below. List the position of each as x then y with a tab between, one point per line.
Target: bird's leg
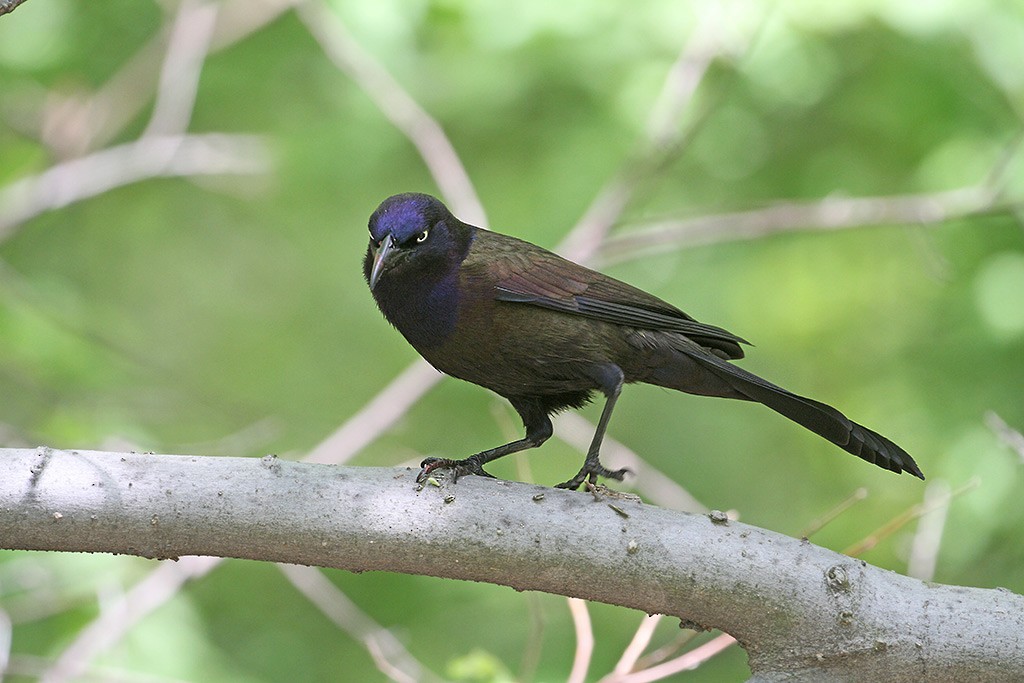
610	378
538	430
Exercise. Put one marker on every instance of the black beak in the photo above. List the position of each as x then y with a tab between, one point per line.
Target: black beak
380	257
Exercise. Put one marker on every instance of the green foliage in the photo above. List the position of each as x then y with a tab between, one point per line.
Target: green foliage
228	315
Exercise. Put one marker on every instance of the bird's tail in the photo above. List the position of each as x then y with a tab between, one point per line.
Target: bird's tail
820	418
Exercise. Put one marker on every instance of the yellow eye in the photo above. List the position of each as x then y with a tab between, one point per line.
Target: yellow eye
422	237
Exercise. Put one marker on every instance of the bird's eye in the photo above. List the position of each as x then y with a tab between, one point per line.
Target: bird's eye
422	237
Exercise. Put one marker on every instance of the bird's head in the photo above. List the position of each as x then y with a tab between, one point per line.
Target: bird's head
408	230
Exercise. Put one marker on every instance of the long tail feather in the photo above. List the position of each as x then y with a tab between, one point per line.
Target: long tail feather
818	417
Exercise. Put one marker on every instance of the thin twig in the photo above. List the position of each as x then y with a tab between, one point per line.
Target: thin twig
152	591
830	213
388	653
530	657
87	123
997	174
820	523
685	662
187	48
1007	434
662	137
705	44
924	549
122	97
667	650
32	667
901	520
584	640
641	639
6	637
377	415
399	107
144	159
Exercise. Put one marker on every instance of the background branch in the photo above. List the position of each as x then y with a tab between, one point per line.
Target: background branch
830	213
153	156
399	107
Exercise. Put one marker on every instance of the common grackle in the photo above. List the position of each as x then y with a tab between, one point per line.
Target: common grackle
545	333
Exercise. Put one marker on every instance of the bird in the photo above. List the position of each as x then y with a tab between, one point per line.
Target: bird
547	334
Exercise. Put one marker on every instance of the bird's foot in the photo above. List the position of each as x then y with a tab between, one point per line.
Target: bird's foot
591	470
458	468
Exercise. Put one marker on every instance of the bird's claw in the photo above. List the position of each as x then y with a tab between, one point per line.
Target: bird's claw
458	468
590	471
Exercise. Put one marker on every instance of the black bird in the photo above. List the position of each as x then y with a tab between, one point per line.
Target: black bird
546	333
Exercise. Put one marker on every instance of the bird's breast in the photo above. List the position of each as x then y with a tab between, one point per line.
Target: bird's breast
426	314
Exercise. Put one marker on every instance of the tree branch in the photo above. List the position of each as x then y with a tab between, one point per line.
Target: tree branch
148	157
801	612
398	106
663	137
830	213
7	6
188	45
388	653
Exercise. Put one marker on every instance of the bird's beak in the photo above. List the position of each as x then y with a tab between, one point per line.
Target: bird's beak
380	257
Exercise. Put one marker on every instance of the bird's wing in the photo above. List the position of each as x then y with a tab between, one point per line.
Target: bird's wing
527	274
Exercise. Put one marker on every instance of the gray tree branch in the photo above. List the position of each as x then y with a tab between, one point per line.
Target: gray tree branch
8	6
800	611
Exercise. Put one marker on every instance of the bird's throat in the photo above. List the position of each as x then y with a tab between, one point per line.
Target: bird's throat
426	313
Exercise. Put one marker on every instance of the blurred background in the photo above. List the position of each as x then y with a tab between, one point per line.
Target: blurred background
184	190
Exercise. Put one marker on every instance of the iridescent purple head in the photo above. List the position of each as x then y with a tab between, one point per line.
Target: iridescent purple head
405	217
408	227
